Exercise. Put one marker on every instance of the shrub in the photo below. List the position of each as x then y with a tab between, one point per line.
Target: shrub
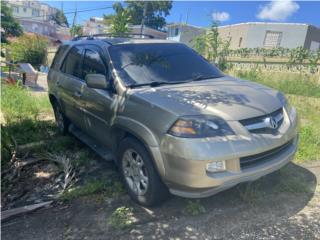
29	49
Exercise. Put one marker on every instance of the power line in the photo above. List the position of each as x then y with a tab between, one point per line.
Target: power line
71	12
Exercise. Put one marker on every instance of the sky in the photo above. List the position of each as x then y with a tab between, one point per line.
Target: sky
201	13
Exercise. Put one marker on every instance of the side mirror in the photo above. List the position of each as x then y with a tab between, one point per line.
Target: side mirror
98	81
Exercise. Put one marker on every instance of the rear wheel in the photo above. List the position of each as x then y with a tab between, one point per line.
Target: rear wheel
61	120
140	176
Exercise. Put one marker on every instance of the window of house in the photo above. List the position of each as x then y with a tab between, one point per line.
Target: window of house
35	13
15	9
24	9
240	42
72	63
272	39
92	63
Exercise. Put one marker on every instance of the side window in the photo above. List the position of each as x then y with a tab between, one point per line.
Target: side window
92	63
72	63
57	57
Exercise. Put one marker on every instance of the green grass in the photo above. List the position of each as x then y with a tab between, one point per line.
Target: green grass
107	187
290	83
18	104
121	218
309	114
303	92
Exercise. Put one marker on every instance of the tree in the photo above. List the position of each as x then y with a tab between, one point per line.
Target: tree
118	21
29	48
60	18
76	30
156	11
9	24
212	47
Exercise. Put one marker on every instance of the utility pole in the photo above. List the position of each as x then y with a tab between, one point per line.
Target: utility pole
144	16
187	18
75	16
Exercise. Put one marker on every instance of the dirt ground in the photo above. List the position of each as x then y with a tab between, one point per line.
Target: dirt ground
269	212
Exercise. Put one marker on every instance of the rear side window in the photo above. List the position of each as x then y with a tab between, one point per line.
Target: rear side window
57	57
72	63
92	63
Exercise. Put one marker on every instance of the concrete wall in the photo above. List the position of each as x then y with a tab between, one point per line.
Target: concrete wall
292	35
312	38
237	34
186	33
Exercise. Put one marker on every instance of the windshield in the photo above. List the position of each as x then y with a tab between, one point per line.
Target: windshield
159	62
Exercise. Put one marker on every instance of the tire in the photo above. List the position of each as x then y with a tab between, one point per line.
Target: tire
61	120
147	193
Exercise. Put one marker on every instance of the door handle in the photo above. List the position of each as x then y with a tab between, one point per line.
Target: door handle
77	94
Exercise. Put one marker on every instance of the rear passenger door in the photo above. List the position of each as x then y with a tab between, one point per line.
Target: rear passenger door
71	86
97	110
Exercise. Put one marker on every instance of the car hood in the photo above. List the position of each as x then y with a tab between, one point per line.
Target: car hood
227	97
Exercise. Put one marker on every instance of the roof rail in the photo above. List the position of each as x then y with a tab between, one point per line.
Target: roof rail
111	35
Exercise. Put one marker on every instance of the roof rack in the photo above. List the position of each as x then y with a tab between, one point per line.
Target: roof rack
112	35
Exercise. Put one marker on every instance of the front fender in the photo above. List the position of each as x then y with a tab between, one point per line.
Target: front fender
147	137
137	129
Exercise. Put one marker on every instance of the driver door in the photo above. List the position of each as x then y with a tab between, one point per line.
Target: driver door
98	102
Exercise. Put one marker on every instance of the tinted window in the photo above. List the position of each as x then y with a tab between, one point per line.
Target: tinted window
72	63
144	63
57	57
92	63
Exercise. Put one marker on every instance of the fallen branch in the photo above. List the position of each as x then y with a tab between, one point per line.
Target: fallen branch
25	209
31	145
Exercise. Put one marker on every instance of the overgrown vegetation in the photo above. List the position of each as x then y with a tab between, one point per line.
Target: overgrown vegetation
212	47
290	83
19	105
29	48
20	113
303	92
121	218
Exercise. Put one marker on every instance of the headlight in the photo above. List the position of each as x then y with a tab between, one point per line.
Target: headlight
285	103
200	127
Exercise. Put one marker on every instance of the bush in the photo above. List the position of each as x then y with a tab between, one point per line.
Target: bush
29	49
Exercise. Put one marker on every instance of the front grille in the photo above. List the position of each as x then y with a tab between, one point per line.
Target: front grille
257	124
250	161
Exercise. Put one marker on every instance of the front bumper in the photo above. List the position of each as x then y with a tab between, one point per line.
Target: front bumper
185	160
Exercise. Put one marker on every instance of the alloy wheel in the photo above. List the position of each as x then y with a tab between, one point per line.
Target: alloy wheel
135	172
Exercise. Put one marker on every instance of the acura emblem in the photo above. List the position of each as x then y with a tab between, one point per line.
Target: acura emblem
271	122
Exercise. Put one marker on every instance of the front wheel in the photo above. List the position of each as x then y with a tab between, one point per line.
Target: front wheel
139	174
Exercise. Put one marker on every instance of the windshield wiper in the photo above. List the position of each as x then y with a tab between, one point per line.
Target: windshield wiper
204	77
155	84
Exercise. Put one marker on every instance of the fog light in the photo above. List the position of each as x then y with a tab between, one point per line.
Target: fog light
218	166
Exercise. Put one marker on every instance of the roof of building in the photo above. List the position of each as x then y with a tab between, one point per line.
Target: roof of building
266	23
184	24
